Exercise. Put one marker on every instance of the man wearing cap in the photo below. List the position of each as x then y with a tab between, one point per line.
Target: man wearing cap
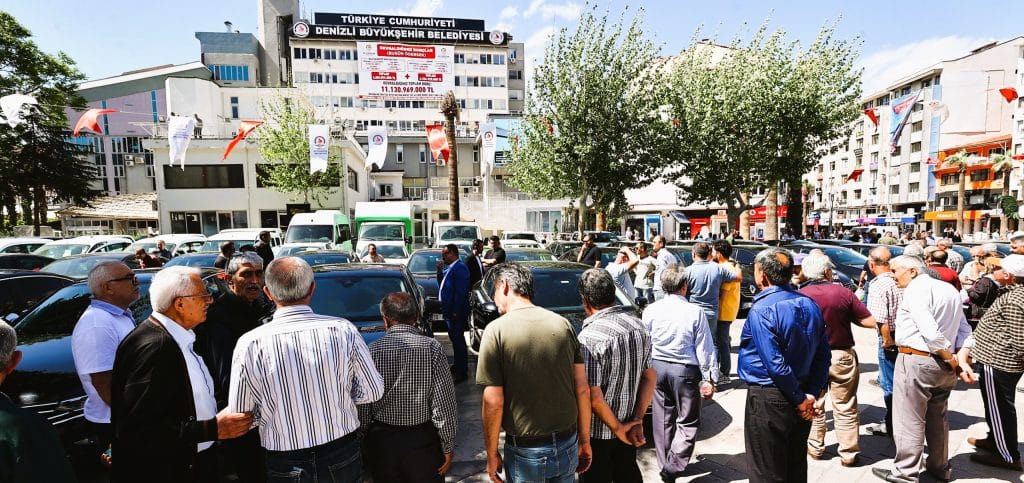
999	342
798	270
263	248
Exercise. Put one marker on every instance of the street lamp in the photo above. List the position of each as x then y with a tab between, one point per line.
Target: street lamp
831	210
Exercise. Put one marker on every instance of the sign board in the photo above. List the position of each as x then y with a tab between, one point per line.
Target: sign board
404	71
347	26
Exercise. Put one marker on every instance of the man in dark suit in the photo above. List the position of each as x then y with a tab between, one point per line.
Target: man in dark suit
263	248
475	262
453	290
163	410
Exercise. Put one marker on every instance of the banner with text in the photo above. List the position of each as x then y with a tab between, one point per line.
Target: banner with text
402	71
378	137
319	142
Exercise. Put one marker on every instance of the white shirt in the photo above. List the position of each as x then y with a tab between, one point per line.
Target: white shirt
620	273
302	375
93	343
664	260
931	317
680	334
642	269
198	374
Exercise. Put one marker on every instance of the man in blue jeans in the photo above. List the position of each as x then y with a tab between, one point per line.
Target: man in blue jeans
883	300
535	387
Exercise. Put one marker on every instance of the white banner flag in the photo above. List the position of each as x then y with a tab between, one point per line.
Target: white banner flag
179	134
378	139
488	142
15	106
319	141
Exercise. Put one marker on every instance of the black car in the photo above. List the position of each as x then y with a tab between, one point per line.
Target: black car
524	254
848	262
21	290
78	266
558	248
23	261
865	248
607	255
422	265
556	288
198	260
326	257
46	380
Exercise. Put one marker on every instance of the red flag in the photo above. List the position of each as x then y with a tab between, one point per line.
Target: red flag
88	120
932	161
244	128
438	141
547	123
1018	157
854	175
873	115
1009	93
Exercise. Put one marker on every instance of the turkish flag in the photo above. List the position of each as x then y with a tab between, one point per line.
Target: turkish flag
438	141
1018	157
1009	93
873	115
244	128
854	175
89	120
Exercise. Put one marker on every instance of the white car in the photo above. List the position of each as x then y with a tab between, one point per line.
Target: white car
242	236
177	244
84	244
396	254
525	239
21	245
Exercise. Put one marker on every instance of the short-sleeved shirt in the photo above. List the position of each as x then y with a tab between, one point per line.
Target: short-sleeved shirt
840	308
531	353
704	285
498	255
643	268
591	256
729	301
620	273
93	344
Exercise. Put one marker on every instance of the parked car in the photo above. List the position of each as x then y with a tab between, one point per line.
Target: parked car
242	237
556	288
83	244
176	244
422	265
522	254
602	238
21	245
865	248
1002	247
292	249
559	247
22	290
202	259
78	266
326	257
847	261
607	255
838	243
519	239
391	253
23	261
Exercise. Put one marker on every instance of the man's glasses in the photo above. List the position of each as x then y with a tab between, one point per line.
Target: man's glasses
132	277
204	296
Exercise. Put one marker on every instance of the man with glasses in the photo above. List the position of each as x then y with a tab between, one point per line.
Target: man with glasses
164	412
589	254
975	268
94	341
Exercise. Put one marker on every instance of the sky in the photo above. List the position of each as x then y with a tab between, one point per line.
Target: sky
898	38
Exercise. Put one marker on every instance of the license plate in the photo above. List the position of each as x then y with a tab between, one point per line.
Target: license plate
437	317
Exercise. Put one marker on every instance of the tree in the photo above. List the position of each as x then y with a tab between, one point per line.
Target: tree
284	143
38	160
960	161
1003	164
450	109
758	113
591	116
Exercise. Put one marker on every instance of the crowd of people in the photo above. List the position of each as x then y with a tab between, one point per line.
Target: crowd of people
258	387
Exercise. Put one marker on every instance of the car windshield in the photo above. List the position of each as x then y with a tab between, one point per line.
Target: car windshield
325	258
521	236
424	262
457	233
353	295
75	267
389	251
293	250
845	256
602	237
214	245
309	233
381	232
193	260
62	250
56	316
520	256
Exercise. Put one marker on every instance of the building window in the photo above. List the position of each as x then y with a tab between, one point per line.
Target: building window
856	194
994	151
204	176
894	189
385	191
423	154
353	180
951	178
917	126
234	107
515	75
399	153
898	151
914	187
905	91
980	175
926	83
915	147
874	139
299	53
230	72
915	167
460	58
476	154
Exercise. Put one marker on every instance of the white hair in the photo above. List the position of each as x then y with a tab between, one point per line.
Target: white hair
101	274
945	242
913	250
908	262
815	265
288	279
244	258
8	342
169	284
990	248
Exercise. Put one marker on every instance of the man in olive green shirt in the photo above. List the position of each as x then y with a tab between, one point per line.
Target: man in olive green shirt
29	447
535	387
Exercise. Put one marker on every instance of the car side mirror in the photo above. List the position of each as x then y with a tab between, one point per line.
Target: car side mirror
11	317
640	302
489	308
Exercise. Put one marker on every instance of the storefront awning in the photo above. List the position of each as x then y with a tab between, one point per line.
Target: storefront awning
680	217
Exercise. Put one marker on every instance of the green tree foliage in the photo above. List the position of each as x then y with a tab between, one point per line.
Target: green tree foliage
284	143
757	113
38	161
591	116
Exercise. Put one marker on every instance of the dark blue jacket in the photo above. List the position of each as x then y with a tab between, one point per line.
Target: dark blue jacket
453	283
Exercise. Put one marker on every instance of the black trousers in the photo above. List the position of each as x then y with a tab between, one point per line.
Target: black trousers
775	437
403	454
244	457
207	467
613	461
997	394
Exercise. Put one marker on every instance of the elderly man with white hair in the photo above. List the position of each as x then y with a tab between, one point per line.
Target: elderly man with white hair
94	341
164	413
841	309
954	260
29	447
930	328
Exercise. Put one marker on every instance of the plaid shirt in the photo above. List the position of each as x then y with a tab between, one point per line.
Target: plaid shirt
884	297
999	338
616	350
954	260
418	385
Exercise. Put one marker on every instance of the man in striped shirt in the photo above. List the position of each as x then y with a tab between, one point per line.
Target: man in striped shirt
410	431
617	354
302	375
884	298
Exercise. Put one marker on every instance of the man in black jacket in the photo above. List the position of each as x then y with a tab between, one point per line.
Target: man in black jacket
475	263
263	248
163	410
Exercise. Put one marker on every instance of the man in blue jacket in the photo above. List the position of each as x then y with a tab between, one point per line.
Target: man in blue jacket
453	282
784	358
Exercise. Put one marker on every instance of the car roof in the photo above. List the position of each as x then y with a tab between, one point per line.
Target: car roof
364	267
16	273
525	249
110	255
426	250
16	240
552	265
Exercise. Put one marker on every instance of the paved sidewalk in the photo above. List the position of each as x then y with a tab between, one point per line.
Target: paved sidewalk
719	452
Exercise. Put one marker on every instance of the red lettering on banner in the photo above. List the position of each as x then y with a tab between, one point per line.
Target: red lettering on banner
409	51
385	76
431	77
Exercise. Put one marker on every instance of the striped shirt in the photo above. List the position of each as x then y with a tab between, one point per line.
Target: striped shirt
418	385
616	351
302	375
999	338
884	297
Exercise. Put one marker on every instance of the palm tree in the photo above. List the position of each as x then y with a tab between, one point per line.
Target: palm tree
960	162
1002	163
450	109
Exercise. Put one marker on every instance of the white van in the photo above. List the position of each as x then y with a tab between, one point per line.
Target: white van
460	233
323	229
241	237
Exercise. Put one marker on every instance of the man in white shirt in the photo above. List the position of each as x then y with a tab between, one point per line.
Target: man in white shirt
303	374
663	260
625	260
94	341
644	282
930	328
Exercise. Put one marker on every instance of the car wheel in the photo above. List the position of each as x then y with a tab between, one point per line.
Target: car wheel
474	334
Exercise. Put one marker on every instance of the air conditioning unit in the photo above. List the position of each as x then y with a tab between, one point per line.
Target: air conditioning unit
129	157
129	163
475	189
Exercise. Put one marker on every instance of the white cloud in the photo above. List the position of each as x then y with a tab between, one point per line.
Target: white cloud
534	48
886	66
566	11
503	26
422	8
509	12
